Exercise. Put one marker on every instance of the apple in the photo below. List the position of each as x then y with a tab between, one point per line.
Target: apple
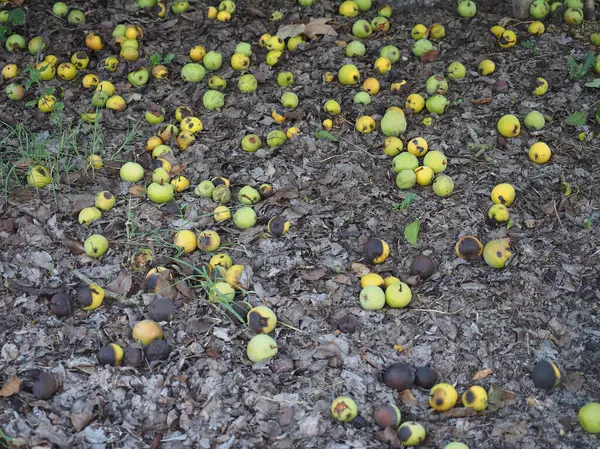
437	104
38	177
251	143
95	245
139	77
15	42
192	72
60	9
15	91
75	17
243	48
247	83
213	60
160	193
244	218
213	99
467	9
131	172
355	48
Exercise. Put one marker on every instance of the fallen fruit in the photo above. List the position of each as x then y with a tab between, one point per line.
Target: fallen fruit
240	61
387	416
244	218
355	48
499	213
146	331
399	376
95	245
421	47
44	385
508	39
437	104
398	295
589	417
486	67
261	320
221	213
417	146
392	146
411	434
157	279
443	397
425	377
437	31
278	226
424	175
221	291
456	445
382	65
285	79
160	193
391	53
418	31
105	201
348	74
88	215
62	304
185	240
436	84
110	355
221	194
422	266
443	185
545	375
457	70
503	194
289	100
467	9
344	409
475	397
469	248
276	138
370	279
372	298
157	350
161	309
393	123
89	296
540	153
131	172
536	28
573	16
192	72
362	28
213	99
496	253
535	120
540	87
362	98
38	176
539	9
415	102
406	179
134	355
376	250
60	9
261	347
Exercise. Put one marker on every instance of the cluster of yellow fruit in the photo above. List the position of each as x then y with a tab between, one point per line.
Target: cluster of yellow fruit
96	245
509	126
128	37
277	45
223	13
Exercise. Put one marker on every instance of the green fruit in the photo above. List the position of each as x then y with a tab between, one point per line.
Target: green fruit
390	52
15	92
99	99
131	172
75	17
244	48
363	5
95	246
436	160
289	100
436	84
406	179
212	60
160	193
437	104
285	79
221	194
405	161
36	45
306	3
60	9
204	189
595	38
248	195
355	48
372	298
411	434
443	185
251	143
421	47
244	218
213	99
467	9
362	98
276	138
589	417
88	215
398	295
457	71
573	4
247	83
362	28
217	83
15	42
261	347
119	30
227	5
539	9
496	253
393	123
535	120
192	72
160	176
139	77
180	7
456	445
146	3
573	16
344	409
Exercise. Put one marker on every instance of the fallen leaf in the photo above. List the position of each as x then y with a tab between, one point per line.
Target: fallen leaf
213	353
430	56
137	190
482	100
313	275
185	290
75	246
122	284
360	269
11	387
319	27
293	30
482	374
408	396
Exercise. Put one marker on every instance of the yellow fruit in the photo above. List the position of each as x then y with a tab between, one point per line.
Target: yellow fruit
540	153
417	146
10	71
328	77
95	161
94	42
509	126
186	240
46	103
365	124
475	397
220	260
497	31
223	16
262	41
418	32
503	194
272	57
332	107
344	409
442	397
415	102
497	252
80	60
180	183
390	280
392	146
106	86
508	39
146	331
424	175
191	125
328	124
292	132
486	67
212	12
116	103
197	53
382	65
90	80
47	70
371	279
66	71
349	74
540	87
348	9
221	213
536	28
208	241
240	62
275	43
371	86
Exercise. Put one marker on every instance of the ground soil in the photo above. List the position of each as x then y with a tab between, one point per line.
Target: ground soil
466	319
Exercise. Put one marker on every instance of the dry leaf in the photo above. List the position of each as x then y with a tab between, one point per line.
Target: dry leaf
137	190
319	27
75	246
482	100
430	56
11	387
293	30
360	269
313	275
122	284
408	396
482	374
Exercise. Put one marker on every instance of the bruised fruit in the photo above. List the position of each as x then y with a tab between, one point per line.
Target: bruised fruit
476	398
344	409
62	304
387	416
589	417
262	320
146	331
221	292
417	146
238	311
398	295
161	309
411	434
498	213
503	194
261	347
157	350
422	266
469	248
348	74
105	201
425	377
251	143
443	397
157	278
44	385
208	241
496	253
540	153
38	176
418	32
110	355
376	250
436	84
372	298
89	296
365	124
399	376
278	226
545	375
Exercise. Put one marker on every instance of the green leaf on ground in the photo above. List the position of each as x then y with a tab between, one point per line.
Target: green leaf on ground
595	84
326	135
411	232
16	16
577	118
406	202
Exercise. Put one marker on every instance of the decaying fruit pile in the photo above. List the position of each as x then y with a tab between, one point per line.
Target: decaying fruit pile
318	224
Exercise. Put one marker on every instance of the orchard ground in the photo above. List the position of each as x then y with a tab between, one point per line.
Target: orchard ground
466	320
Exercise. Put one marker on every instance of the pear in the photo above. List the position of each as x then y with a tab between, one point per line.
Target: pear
393	123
